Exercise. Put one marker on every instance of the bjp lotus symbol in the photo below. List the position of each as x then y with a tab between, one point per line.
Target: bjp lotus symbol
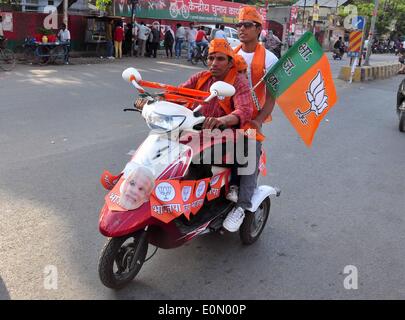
165	191
316	98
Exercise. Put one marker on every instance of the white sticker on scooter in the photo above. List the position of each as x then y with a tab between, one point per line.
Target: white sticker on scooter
165	191
186	193
200	189
215	179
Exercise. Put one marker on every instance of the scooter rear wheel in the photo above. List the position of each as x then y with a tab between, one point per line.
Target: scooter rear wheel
254	223
116	257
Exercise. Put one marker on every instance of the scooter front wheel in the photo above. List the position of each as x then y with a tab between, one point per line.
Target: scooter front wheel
115	265
254	223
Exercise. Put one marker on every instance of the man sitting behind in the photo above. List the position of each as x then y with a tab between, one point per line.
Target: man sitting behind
235	111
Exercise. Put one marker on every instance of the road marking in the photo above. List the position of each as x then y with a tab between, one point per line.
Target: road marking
178	65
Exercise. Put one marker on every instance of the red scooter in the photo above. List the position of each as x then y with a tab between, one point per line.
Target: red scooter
165	196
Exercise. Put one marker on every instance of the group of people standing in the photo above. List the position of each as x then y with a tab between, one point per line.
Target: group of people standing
133	39
194	37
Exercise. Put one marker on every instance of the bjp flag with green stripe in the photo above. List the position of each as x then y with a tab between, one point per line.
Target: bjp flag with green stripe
301	82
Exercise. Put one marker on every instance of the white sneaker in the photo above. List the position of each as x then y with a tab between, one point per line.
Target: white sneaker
233	194
234	219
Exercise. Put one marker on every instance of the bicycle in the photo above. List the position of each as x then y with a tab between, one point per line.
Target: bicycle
42	54
7	58
197	55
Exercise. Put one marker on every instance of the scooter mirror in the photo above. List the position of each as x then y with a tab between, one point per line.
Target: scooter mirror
222	89
130	74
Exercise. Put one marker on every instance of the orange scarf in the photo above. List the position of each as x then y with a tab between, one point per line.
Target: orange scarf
257	68
230	78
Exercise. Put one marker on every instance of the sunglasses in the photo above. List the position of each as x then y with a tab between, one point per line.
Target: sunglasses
247	25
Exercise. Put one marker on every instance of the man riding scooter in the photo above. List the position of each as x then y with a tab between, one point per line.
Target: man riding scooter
235	111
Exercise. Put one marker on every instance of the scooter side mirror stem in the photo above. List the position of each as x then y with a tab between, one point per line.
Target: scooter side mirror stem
137	86
209	98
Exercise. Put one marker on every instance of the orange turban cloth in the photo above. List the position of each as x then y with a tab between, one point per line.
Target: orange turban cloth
221	45
251	14
240	63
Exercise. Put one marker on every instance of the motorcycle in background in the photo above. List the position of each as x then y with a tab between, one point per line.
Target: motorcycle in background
401	106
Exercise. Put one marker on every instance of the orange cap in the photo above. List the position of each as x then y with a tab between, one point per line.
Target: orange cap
221	45
240	63
251	14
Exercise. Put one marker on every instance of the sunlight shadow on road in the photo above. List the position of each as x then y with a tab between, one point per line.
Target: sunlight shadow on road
4	295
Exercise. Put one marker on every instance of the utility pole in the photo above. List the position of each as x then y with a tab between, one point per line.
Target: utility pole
313	16
337	8
303	17
65	12
132	25
371	33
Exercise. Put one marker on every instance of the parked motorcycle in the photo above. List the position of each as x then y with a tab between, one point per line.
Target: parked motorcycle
337	55
160	221
401	106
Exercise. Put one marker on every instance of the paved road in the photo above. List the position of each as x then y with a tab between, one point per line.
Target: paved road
342	200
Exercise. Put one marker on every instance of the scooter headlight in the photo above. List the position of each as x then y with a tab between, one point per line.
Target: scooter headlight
163	123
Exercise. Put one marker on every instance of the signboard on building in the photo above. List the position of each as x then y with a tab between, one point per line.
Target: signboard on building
214	11
315	13
7	21
293	18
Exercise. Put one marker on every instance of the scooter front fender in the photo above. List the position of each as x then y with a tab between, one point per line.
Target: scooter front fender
119	223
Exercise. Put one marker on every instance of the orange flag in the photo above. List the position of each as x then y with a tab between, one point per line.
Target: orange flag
301	82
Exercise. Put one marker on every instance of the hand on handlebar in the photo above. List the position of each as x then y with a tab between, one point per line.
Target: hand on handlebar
213	123
139	103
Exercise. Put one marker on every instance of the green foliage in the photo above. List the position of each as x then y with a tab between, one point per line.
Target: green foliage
390	18
103	4
44	31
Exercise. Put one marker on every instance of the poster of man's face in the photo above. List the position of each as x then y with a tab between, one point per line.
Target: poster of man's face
136	189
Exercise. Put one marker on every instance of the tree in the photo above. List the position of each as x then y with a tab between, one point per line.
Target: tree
103	4
390	18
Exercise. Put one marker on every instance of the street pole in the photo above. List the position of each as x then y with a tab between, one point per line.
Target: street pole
132	26
314	22
65	12
303	16
371	34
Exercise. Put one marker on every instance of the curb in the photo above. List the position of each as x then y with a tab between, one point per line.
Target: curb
377	71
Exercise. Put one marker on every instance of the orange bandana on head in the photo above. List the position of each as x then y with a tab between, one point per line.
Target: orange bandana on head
221	45
251	14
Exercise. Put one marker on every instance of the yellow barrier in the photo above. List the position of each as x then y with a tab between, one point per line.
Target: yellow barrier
377	71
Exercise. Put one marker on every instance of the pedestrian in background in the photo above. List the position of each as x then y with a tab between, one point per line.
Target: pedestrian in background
143	35
109	38
118	38
220	34
213	32
169	41
155	40
128	40
180	36
191	34
64	37
291	40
